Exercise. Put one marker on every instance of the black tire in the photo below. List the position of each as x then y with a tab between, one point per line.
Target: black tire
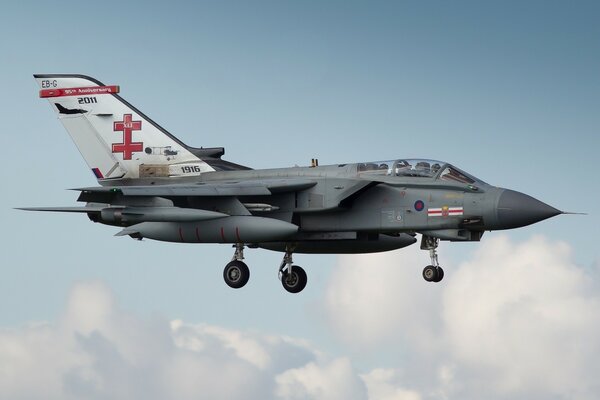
440	275
236	274
430	273
295	282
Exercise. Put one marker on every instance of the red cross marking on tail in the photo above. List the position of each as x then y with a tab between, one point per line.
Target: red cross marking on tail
128	147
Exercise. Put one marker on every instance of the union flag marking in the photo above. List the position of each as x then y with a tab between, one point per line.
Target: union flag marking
445	212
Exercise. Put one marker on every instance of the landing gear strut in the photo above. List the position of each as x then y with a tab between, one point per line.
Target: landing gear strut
236	273
433	272
293	278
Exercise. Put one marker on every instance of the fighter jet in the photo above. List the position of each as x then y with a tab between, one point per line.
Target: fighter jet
197	197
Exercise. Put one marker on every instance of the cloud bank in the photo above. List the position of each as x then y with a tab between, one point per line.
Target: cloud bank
517	321
98	351
514	321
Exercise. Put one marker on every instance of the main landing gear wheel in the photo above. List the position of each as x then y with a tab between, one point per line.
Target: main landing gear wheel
295	280
433	274
236	274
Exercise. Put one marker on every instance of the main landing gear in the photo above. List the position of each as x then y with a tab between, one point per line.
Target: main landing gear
293	278
433	272
236	273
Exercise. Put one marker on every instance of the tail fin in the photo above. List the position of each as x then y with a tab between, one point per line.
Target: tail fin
116	140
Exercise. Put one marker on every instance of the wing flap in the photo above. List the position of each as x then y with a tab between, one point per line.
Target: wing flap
244	188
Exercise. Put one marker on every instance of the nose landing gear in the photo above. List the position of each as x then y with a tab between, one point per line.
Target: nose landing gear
433	272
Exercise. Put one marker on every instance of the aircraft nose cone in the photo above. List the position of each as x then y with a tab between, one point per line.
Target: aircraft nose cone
517	209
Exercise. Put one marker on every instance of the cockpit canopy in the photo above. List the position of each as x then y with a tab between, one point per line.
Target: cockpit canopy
418	168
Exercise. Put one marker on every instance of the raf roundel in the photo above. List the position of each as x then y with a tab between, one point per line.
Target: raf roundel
419	205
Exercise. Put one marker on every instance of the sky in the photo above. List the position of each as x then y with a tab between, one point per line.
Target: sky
507	91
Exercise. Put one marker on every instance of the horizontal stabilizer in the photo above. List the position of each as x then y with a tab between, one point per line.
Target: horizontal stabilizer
63	209
139	214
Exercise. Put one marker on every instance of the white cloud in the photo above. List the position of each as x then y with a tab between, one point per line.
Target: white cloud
376	300
517	320
532	320
334	380
514	321
386	384
98	351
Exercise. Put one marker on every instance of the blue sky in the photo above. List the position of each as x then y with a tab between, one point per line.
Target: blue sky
507	91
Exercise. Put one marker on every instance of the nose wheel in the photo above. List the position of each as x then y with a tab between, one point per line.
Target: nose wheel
433	272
